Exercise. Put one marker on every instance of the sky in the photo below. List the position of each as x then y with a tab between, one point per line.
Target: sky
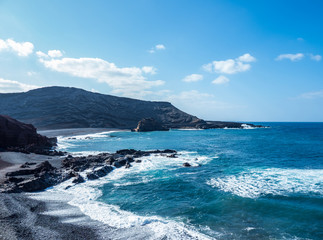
224	60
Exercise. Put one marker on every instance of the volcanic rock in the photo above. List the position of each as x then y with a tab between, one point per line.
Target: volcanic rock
187	164
17	134
148	125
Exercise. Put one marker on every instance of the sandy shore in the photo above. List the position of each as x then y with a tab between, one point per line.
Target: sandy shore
24	217
75	131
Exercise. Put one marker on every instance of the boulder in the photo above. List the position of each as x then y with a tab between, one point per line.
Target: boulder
148	125
78	179
33	185
187	164
126	151
42	167
101	172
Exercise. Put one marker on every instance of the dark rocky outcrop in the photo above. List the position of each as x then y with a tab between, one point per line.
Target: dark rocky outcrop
14	133
17	136
64	107
32	177
148	125
101	172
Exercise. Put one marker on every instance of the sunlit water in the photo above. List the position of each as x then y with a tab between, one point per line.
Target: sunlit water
244	184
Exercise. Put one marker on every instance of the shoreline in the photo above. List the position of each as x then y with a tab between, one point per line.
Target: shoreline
69	132
53	213
23	216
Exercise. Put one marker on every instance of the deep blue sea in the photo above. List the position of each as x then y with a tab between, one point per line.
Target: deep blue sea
264	183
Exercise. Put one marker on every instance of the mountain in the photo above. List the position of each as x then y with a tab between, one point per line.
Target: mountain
66	107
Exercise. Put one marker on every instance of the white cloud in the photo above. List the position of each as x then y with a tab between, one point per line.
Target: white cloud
149	69
312	95
292	57
221	80
40	54
50	53
193	78
55	53
246	58
316	57
158	47
300	39
20	48
128	81
230	66
8	86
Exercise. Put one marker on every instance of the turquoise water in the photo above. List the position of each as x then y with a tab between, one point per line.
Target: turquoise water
245	184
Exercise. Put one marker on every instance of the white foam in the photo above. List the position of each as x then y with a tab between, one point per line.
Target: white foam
247	126
274	181
64	142
84	197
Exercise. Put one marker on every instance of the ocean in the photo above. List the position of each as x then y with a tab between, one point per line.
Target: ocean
264	183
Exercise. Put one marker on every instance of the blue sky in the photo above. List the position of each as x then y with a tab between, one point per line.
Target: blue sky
218	60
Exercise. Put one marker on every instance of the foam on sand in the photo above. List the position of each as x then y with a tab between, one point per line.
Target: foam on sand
272	181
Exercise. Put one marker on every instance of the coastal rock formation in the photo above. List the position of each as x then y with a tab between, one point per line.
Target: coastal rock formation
32	177
64	107
14	133
148	125
17	136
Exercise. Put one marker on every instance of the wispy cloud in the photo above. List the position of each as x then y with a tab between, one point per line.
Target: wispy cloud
312	95
158	47
128	81
22	49
298	56
230	66
290	56
31	73
50	53
9	86
193	78
221	80
315	57
149	69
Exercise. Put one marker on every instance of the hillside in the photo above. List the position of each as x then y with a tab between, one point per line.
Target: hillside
65	107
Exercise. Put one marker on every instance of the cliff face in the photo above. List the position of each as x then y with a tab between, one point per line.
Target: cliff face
17	134
63	107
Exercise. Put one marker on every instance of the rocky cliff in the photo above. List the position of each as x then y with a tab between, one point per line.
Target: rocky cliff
17	134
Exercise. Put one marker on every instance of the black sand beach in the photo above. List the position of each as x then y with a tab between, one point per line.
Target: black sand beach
23	217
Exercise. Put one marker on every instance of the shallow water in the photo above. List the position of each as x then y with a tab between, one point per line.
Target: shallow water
245	184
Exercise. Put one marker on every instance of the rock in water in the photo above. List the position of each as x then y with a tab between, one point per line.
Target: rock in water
148	125
187	164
